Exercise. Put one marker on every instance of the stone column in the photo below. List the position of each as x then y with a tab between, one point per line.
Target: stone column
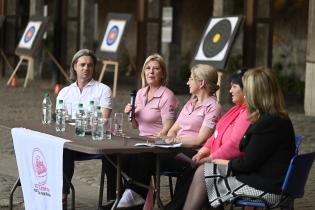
87	24
309	100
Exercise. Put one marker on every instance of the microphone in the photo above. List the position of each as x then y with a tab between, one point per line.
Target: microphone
132	102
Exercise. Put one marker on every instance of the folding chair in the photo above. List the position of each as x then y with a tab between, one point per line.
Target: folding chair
298	141
292	187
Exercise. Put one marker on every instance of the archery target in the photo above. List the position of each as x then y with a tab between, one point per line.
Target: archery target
217	40
113	35
29	34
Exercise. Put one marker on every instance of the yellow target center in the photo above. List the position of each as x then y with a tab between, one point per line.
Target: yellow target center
112	35
216	38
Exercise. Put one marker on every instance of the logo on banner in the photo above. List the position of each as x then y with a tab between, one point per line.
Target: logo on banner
40	171
112	35
29	34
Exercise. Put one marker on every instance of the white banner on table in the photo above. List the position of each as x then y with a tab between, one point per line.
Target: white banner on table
39	159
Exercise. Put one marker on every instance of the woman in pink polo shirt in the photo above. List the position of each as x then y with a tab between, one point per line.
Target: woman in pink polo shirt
198	118
193	127
155	106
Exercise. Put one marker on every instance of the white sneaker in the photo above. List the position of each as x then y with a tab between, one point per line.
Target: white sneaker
130	198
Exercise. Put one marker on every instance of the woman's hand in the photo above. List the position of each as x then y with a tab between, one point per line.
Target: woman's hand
128	108
202	153
221	161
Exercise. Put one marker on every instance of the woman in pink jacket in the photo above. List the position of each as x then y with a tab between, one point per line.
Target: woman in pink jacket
224	143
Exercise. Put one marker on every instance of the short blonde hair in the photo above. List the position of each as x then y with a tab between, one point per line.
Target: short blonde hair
263	94
208	74
160	60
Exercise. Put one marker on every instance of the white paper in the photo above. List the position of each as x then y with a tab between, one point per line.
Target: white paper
159	145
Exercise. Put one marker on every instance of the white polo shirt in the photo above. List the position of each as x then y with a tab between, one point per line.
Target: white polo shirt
100	93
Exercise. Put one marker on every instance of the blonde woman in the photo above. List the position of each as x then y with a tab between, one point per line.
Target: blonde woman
268	145
155	105
194	126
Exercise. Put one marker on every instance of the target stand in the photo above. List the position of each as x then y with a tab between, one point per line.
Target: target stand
115	64
29	72
5	58
111	46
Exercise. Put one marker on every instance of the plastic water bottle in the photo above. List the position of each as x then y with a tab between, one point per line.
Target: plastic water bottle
60	116
89	115
98	125
46	109
79	121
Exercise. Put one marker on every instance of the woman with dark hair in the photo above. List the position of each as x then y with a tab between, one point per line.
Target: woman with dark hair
267	145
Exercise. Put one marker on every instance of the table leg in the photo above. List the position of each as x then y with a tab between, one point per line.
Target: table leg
157	184
16	184
118	182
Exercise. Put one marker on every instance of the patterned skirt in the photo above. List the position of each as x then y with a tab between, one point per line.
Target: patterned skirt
222	186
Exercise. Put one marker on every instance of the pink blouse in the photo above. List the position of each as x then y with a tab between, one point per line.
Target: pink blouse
190	120
150	115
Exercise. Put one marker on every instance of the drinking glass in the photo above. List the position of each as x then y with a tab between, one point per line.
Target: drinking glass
118	123
107	128
68	109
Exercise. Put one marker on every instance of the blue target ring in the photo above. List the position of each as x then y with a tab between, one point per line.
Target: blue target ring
29	34
112	35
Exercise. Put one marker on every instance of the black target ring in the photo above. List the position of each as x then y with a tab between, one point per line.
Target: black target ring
217	38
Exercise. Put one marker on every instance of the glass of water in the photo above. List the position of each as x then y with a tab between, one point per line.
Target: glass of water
68	110
118	123
107	128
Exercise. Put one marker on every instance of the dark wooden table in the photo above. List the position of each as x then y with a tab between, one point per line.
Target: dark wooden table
118	145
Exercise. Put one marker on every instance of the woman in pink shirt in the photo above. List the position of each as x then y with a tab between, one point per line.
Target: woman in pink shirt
198	118
193	127
155	106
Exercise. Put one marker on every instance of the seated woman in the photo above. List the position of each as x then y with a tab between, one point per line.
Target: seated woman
223	144
193	127
155	105
268	145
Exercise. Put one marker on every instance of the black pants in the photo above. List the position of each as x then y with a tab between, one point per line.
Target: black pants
69	157
141	167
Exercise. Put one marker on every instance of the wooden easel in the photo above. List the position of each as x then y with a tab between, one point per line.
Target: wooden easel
115	63
5	58
55	61
30	70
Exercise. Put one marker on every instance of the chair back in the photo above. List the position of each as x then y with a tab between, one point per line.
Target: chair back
297	174
298	141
